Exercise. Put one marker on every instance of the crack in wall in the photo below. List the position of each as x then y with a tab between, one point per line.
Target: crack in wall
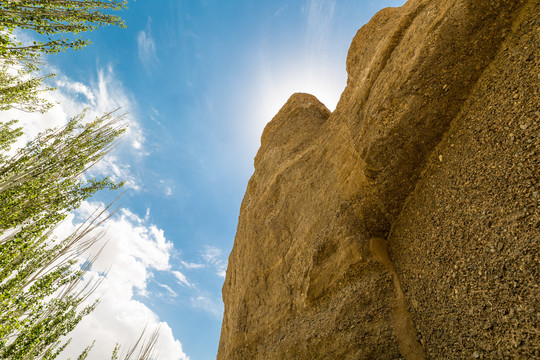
402	323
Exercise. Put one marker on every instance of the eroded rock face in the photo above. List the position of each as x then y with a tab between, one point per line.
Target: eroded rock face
403	224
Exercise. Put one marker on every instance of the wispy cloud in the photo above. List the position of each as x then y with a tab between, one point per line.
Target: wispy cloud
281	9
147	46
320	18
214	256
154	115
191	266
182	279
167	186
208	305
170	291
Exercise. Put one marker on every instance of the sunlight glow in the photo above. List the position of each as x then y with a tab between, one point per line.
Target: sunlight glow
276	84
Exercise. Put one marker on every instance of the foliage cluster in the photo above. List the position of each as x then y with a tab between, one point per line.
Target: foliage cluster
49	18
48	21
40	281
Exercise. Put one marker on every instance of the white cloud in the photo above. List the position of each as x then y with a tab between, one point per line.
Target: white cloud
191	266
147	46
132	250
181	278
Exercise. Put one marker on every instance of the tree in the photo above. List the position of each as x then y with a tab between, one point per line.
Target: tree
40	281
48	20
41	289
52	17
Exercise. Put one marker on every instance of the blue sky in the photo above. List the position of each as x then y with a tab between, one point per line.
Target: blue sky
199	79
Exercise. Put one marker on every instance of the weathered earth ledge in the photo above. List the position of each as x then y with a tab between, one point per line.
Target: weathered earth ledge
404	225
